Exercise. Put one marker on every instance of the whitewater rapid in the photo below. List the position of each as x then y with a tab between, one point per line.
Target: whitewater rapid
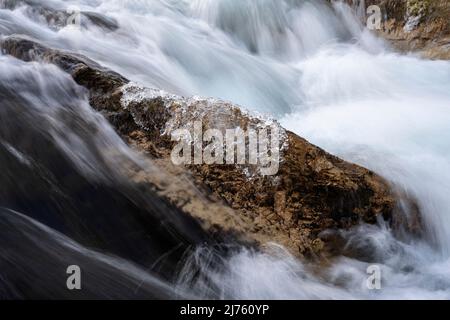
322	75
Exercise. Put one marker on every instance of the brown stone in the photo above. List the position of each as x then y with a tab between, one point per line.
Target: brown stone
313	190
430	36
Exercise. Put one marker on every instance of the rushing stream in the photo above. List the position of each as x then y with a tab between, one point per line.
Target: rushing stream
312	66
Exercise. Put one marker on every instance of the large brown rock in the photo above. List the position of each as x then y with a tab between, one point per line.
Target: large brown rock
312	191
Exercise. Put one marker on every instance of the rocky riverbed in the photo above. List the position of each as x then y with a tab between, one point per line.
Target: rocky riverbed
102	105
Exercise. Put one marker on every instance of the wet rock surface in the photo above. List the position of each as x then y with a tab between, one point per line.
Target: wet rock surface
58	17
416	25
312	191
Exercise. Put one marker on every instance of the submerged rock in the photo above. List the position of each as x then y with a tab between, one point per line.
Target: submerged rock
312	190
58	17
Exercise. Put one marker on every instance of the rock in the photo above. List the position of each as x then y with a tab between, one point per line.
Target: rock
312	190
58	17
421	26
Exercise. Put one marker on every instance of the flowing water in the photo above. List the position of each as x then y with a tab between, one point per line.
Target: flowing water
312	66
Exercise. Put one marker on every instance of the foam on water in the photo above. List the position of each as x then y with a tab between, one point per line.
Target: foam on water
325	77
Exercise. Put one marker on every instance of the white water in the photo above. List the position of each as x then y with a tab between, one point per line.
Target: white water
325	77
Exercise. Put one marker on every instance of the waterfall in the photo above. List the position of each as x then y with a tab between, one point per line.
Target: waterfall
310	64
